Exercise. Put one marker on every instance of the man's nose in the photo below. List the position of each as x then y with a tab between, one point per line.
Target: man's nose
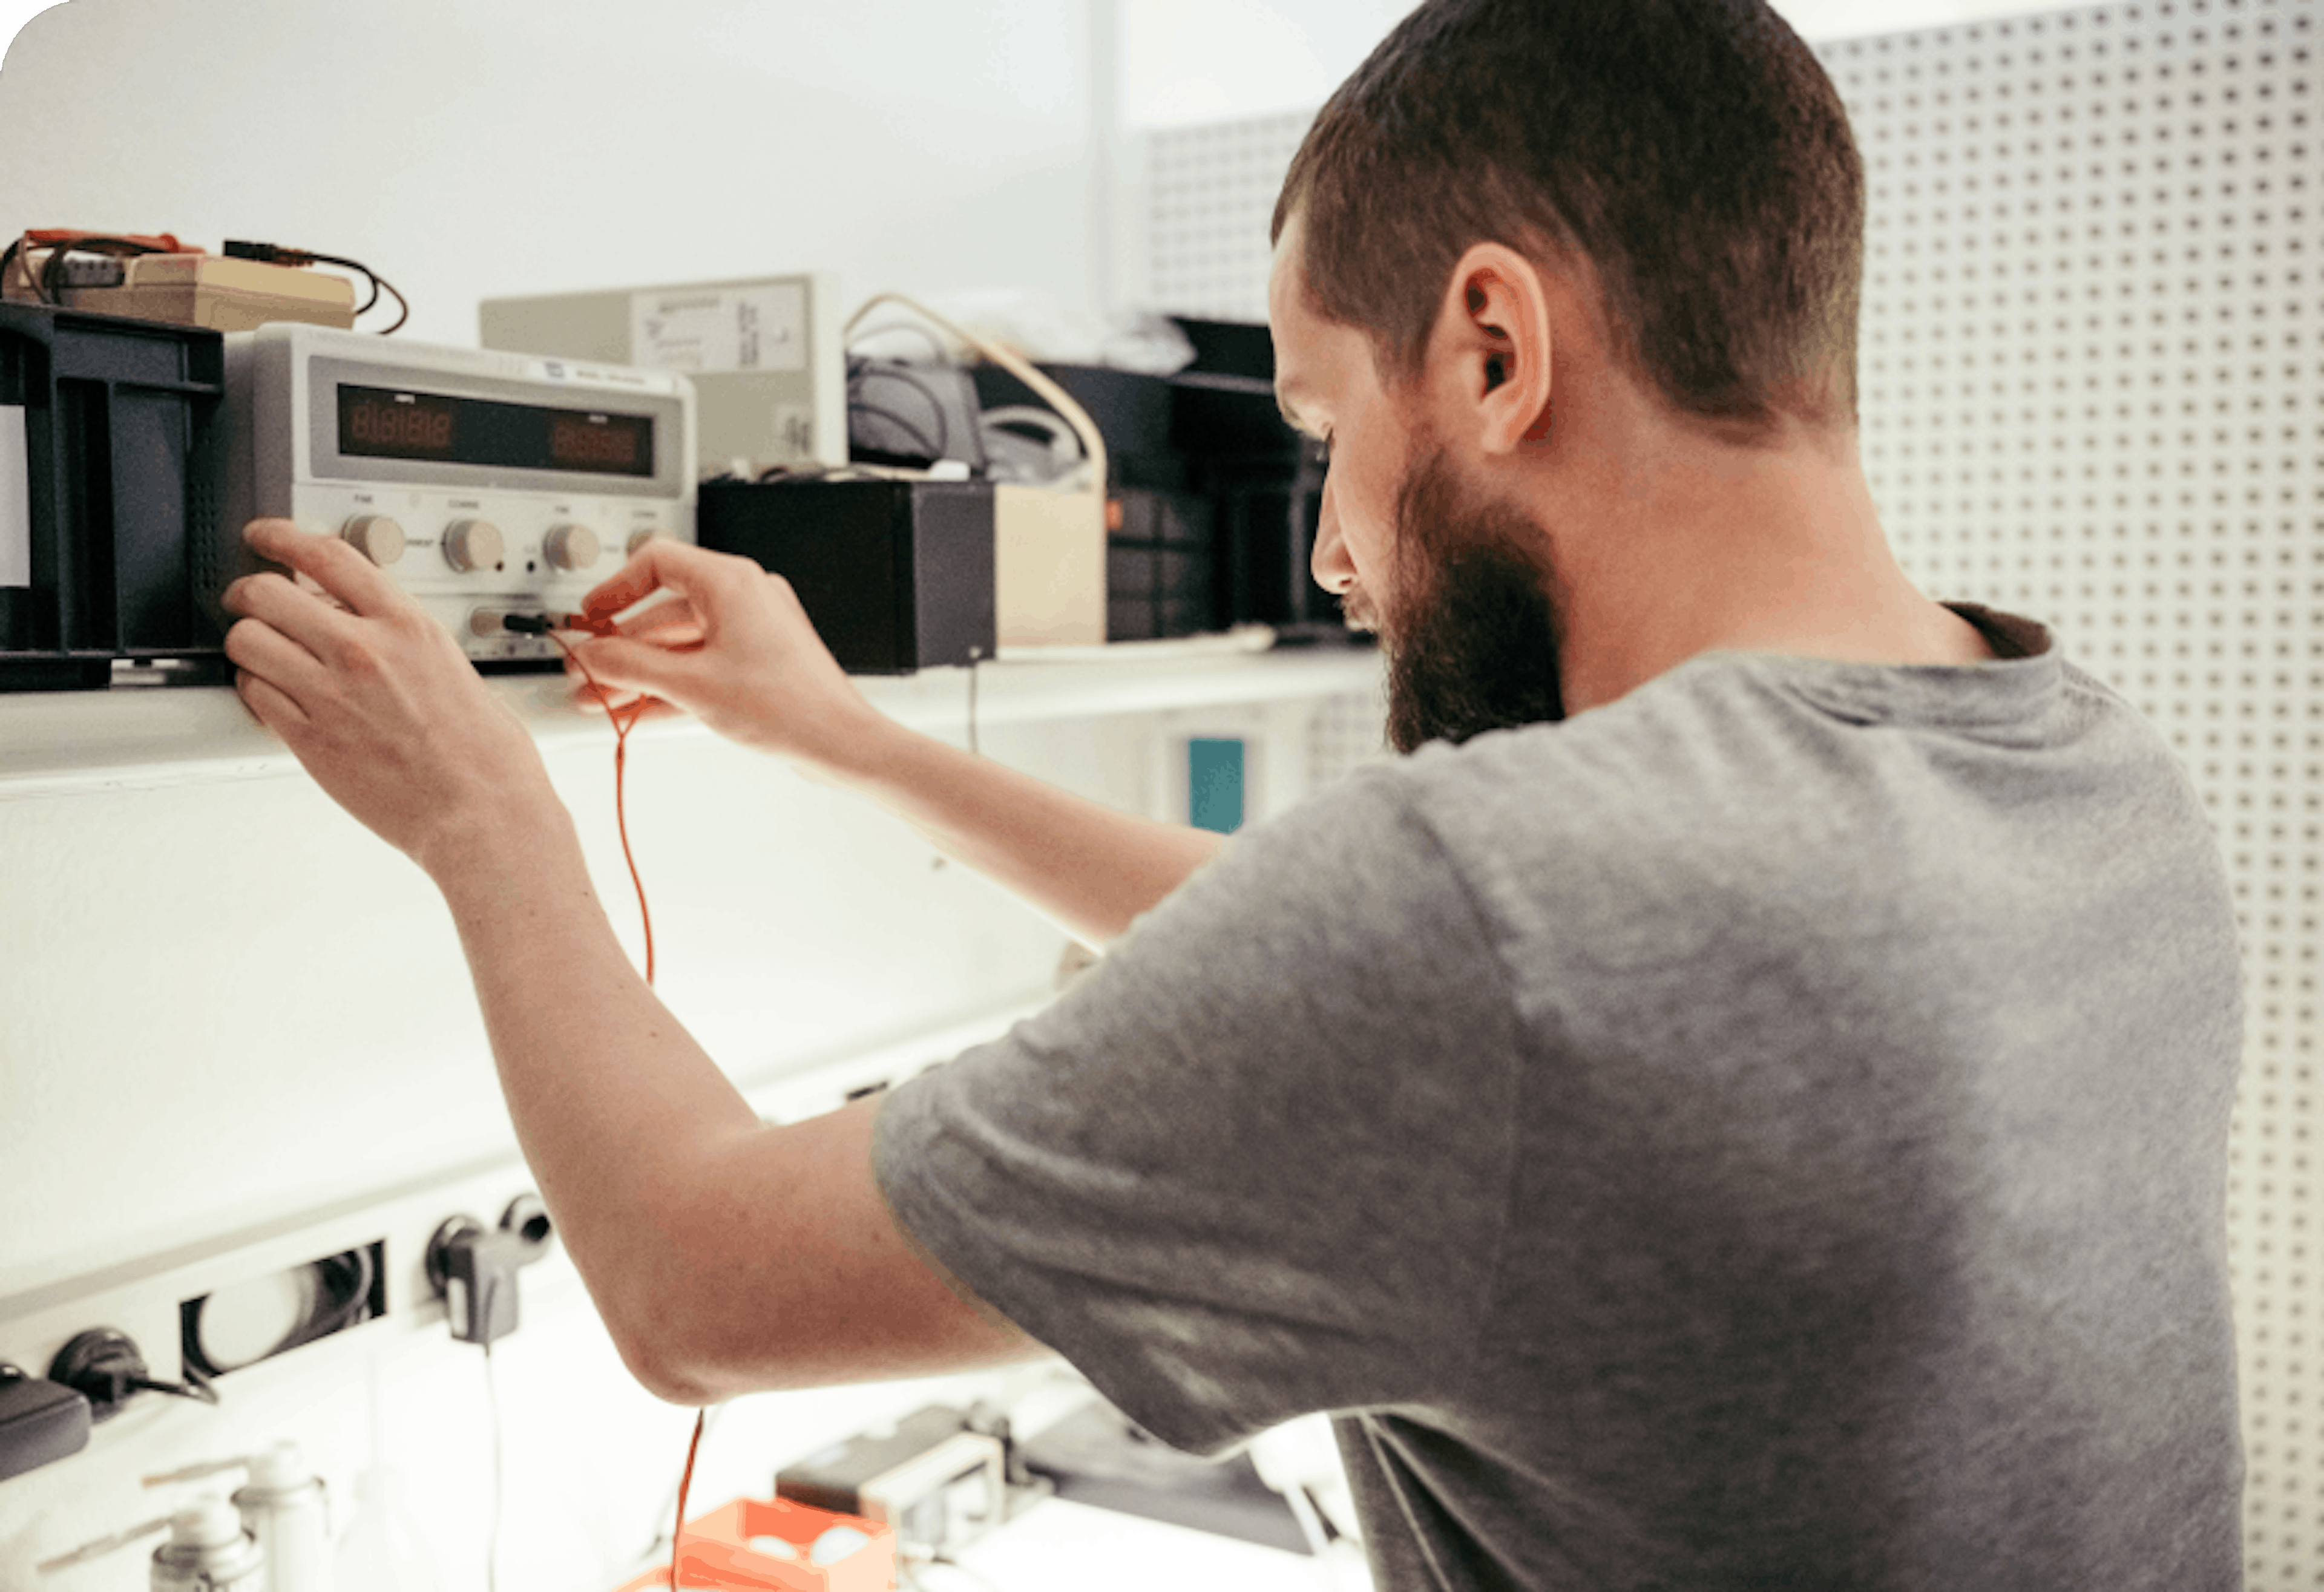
1333	570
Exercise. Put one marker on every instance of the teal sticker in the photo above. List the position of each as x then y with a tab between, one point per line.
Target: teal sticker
1215	785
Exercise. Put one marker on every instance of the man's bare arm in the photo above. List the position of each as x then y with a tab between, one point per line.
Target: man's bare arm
735	649
723	1254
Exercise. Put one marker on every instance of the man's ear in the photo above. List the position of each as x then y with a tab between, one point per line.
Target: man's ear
1490	358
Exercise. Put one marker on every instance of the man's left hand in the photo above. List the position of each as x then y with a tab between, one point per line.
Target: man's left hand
379	702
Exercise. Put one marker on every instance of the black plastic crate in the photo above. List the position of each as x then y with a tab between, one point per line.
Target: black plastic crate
1159	580
125	433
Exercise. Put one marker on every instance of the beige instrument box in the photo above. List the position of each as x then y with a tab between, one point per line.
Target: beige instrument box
1049	565
765	356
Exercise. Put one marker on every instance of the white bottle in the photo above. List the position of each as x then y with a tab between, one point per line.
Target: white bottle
285	1507
208	1549
383	1550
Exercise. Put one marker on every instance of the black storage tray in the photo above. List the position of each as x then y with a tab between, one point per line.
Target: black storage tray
125	431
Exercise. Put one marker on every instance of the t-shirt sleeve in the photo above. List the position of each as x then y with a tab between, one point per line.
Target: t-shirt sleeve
1256	1163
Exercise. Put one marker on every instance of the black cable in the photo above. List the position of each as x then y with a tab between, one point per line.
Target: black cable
349	1278
48	284
904	376
53	270
195	1386
929	395
276	255
189	1340
347	1281
912	433
378	284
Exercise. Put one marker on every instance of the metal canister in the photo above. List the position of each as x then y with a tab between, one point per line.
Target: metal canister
286	1508
208	1551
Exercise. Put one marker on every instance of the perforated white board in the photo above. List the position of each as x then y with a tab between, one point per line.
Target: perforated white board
1210	196
2093	390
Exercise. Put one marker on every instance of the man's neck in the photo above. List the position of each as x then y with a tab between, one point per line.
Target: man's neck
1671	542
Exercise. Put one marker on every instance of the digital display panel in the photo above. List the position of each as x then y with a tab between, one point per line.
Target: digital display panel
390	423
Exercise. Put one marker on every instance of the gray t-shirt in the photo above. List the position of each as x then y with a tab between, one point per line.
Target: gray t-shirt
1768	1131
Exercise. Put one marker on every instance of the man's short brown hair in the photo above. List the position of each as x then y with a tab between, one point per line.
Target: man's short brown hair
1692	151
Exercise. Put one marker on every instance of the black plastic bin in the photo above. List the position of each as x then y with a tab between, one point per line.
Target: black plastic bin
124	452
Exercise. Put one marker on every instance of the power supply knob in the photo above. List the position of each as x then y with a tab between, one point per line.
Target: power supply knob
639	539
375	536
570	547
474	544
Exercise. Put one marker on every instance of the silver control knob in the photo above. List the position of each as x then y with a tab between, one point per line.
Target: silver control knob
639	539
570	547
375	536
474	544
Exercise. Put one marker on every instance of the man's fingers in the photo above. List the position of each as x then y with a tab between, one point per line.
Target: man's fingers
633	583
620	663
331	564
673	624
662	564
306	619
273	708
256	648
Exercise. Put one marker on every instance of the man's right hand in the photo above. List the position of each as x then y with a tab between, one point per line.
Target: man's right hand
731	646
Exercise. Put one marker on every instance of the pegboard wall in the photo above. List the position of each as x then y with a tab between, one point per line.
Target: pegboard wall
1210	198
2092	370
1347	731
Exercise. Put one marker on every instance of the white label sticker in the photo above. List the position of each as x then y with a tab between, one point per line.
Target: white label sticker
720	329
15	500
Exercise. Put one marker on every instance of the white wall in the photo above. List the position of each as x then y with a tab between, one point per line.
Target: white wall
469	150
1209	61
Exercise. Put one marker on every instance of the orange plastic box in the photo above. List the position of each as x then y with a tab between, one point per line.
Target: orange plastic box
718	1554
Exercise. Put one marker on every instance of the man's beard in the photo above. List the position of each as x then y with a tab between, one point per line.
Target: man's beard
1472	621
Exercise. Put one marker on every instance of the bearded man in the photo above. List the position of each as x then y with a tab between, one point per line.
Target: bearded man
1742	1104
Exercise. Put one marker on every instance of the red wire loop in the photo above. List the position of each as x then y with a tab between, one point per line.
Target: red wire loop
622	724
